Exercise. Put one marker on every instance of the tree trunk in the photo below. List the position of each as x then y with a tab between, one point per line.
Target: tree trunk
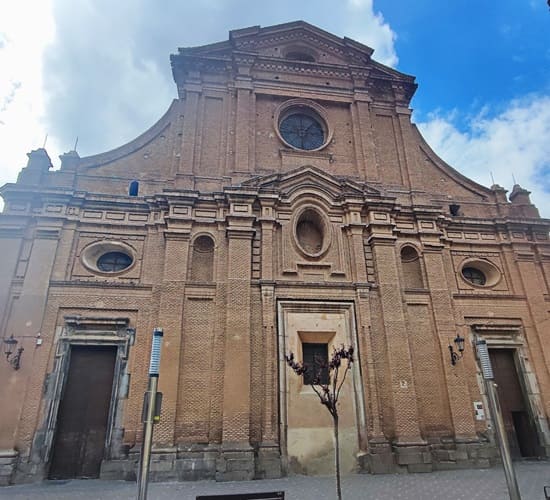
337	458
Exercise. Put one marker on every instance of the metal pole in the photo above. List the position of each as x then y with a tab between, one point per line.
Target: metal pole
149	414
494	407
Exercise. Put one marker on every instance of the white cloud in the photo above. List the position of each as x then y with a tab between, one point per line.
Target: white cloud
22	41
369	27
513	142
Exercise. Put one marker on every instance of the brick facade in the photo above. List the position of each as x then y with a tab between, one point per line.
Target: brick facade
242	246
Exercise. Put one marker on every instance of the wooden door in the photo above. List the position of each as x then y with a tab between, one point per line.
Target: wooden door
83	415
519	425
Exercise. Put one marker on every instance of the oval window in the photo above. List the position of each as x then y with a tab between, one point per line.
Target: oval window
311	232
112	262
474	276
108	257
480	272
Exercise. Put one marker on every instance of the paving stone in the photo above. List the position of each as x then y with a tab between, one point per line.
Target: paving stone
477	484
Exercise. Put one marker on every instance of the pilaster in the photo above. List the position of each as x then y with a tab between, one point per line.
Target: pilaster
443	314
406	423
171	294
236	460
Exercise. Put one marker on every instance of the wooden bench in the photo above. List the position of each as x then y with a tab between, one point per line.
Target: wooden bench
272	495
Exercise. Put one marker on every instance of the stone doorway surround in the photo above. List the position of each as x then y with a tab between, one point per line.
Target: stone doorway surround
305	426
511	336
85	331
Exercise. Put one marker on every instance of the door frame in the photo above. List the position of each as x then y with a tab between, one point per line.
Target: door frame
92	332
511	337
298	305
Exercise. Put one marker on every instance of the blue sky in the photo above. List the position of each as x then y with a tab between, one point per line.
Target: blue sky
100	70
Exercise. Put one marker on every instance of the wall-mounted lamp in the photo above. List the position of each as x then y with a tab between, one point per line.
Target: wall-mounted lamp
456	355
9	346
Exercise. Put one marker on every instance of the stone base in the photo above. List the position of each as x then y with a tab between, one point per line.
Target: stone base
235	463
268	462
379	459
8	463
466	454
198	462
413	457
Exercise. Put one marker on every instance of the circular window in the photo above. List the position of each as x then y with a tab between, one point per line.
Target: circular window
111	262
311	232
474	276
302	125
480	272
108	257
302	131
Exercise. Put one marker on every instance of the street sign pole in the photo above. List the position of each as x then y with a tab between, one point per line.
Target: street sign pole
150	413
496	413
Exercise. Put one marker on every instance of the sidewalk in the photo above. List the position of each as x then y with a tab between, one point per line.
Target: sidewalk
482	484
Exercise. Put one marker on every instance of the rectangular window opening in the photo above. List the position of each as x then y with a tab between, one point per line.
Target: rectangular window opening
315	356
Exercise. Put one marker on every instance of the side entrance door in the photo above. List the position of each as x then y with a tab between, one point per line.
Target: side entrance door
83	415
520	428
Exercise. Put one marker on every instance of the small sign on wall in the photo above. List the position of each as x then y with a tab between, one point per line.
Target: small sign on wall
479	411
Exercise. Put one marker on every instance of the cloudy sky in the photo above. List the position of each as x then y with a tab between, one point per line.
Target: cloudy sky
99	70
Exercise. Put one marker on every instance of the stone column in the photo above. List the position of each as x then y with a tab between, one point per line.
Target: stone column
236	460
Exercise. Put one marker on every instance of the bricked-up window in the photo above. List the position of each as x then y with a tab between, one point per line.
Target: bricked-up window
202	259
412	270
316	361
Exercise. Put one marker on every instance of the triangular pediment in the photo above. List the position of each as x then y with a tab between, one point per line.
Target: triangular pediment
286	41
310	178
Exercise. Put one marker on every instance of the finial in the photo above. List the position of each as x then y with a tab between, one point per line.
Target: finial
45	139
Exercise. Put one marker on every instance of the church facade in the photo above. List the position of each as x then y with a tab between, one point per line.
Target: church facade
284	203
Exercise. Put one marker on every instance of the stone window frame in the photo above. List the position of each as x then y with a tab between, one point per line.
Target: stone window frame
347	308
306	106
91	253
327	230
493	274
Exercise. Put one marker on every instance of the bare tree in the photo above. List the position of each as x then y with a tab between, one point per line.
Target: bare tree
327	383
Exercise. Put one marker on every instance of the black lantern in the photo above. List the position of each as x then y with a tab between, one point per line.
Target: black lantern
9	346
456	355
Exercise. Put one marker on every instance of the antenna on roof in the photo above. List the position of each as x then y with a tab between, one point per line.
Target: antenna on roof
514	179
45	139
492	178
75	143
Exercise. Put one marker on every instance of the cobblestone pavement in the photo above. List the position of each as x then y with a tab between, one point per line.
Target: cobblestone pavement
482	484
